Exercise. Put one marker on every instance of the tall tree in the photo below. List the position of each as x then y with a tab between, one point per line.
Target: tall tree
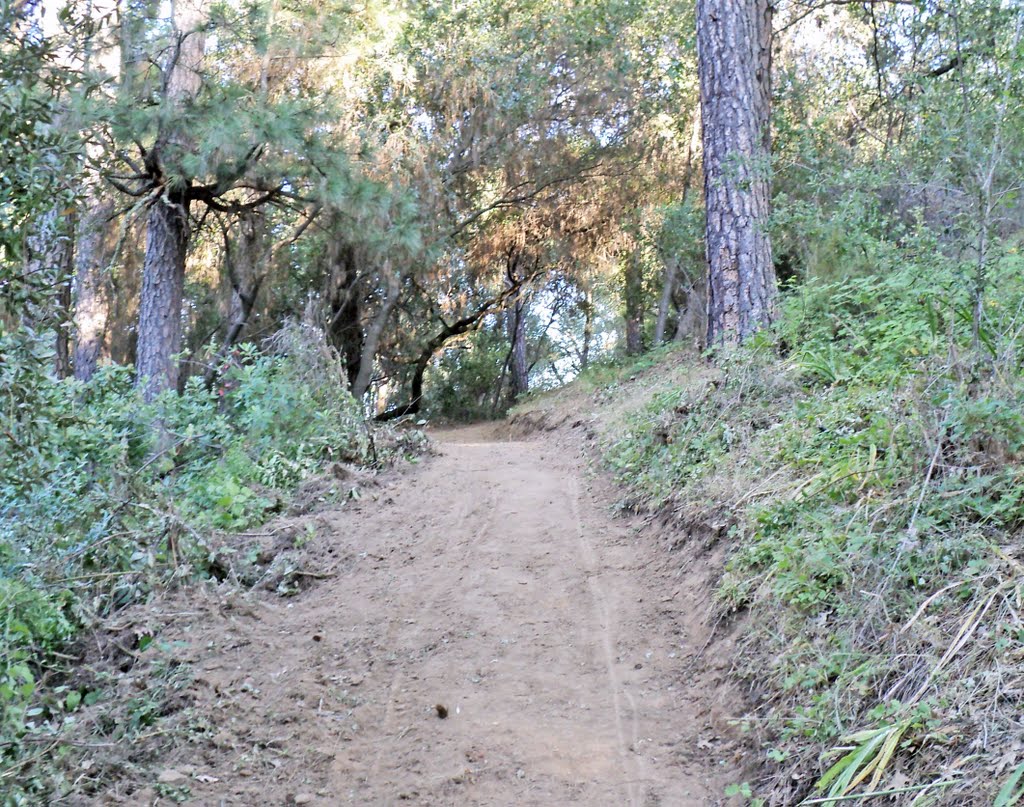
163	272
108	62
734	63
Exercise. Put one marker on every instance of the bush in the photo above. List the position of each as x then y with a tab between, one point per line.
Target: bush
98	505
867	463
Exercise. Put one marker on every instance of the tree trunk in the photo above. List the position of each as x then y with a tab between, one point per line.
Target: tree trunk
48	257
519	371
91	296
588	329
667	289
163	284
689	308
167	227
103	53
634	305
374	333
345	327
247	266
734	63
246	262
62	358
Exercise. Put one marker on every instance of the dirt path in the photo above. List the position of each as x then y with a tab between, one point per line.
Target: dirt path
491	582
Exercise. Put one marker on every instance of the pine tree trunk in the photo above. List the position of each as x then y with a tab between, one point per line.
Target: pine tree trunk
91	297
167	227
734	62
163	284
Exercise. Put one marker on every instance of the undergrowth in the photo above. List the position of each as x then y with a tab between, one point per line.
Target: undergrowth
865	461
98	509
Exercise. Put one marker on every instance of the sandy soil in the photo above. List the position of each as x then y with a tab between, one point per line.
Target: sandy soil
493	585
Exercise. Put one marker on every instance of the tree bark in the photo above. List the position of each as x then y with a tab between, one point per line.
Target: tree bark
167	226
734	63
163	284
634	305
91	296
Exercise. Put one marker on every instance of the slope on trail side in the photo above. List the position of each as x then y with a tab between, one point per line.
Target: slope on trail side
490	581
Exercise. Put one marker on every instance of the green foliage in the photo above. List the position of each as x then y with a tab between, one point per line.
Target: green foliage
102	507
34	152
866	753
464	383
1011	792
863	475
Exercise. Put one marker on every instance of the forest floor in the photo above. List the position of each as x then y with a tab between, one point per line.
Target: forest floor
480	629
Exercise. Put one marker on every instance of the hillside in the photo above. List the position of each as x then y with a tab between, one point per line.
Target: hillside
860	500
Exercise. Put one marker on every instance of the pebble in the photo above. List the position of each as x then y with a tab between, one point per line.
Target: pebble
171	777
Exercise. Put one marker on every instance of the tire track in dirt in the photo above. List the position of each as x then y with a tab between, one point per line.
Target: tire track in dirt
434	592
490	579
608	640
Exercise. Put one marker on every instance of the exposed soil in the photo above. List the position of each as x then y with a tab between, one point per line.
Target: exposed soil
483	631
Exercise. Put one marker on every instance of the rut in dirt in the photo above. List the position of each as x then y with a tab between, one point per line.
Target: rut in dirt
491	581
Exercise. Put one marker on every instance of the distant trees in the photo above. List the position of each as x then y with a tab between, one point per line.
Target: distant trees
734	63
208	171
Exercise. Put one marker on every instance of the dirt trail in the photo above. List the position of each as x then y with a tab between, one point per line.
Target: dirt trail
492	581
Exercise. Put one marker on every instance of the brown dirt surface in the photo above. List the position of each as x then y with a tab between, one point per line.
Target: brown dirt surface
480	630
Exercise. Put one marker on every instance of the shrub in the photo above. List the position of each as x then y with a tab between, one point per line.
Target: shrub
98	505
868	464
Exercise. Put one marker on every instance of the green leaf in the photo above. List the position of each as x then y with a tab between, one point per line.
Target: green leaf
1009	794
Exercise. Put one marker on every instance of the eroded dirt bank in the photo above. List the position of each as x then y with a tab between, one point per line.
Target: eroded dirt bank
493	581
